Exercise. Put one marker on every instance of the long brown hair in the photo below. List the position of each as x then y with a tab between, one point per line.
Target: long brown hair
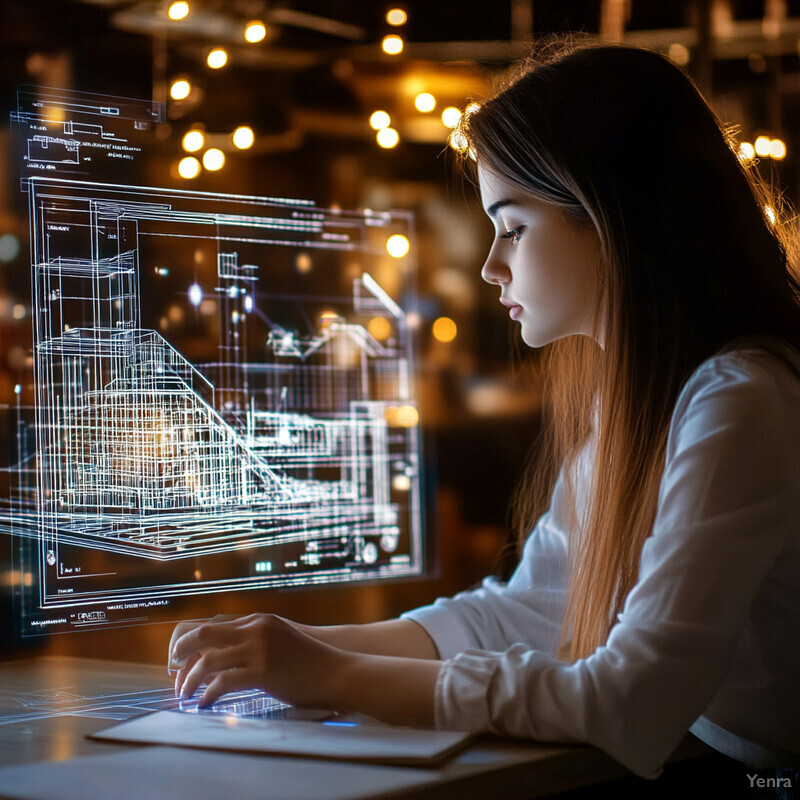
692	263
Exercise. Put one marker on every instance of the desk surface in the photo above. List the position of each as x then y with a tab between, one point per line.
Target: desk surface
49	705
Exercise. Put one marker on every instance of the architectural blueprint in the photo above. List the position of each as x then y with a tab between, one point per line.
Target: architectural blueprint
285	452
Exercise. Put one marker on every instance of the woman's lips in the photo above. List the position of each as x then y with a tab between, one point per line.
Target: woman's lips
514	311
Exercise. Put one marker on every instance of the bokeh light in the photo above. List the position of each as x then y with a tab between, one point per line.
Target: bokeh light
746	151
180	89
392	45
243	137
679	53
379	120
255	31
777	149
397	245
450	116
380	328
213	159
178	11
396	16
193	140
188	167
217	58
425	102
444	330
762	144
195	295
388	138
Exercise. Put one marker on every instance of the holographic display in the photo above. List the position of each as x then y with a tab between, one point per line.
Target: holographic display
273	442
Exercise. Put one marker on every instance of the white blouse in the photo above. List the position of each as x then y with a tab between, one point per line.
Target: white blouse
708	637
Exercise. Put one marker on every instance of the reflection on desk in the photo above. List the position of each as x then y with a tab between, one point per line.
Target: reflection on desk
48	706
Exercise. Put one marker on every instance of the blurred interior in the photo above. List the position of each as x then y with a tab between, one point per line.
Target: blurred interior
308	87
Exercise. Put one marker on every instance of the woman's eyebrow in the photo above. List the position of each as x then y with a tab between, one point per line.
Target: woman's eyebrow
495	207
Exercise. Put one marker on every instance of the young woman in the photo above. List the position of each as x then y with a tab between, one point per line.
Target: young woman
660	590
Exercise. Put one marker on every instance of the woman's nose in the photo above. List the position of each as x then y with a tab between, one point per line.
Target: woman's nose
494	270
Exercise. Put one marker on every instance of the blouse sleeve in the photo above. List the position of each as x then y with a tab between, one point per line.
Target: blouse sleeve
727	499
528	609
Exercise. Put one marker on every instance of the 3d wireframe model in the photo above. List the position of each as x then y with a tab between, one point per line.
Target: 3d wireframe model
158	476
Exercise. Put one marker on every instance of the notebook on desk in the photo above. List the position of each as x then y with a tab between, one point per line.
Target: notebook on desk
256	723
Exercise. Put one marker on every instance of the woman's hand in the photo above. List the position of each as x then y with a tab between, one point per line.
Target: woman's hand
261	651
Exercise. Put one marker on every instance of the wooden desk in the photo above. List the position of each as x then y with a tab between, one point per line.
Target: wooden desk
49	705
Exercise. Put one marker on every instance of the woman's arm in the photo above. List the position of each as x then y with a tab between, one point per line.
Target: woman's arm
392	637
270	653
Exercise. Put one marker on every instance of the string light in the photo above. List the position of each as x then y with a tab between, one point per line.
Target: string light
396	16
379	120
180	89
178	11
193	140
450	116
777	149
397	246
255	31
388	138
188	167
380	328
746	151
444	330
243	137
762	146
213	159
425	102
217	58
392	45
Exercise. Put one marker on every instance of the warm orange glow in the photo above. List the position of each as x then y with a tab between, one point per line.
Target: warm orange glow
189	167
388	138
193	140
777	149
679	53
425	102
450	116
213	159
444	330
217	58
397	245
392	45
379	120
243	137
396	16
401	416
178	11
255	31
762	146
746	151
380	328
327	317
180	89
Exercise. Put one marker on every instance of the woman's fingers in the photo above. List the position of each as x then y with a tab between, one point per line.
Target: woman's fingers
208	665
203	637
183	628
232	680
181	674
180	629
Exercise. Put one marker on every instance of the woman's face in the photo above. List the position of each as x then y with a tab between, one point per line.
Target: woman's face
545	262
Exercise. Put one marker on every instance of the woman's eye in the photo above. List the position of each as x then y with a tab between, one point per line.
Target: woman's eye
514	234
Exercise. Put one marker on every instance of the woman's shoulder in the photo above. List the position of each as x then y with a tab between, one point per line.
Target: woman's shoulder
765	367
750	386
